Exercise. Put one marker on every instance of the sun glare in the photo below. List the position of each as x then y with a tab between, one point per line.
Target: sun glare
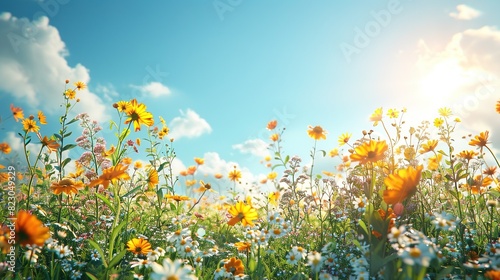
443	80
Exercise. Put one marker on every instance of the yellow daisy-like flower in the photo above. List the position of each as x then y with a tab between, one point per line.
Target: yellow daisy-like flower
274	137
111	175
402	184
17	112
42	118
371	151
317	132
234	175
67	186
393	113
29	125
376	116
428	147
80	85
121	106
139	246
30	230
467	155
434	161
152	179
137	115
70	94
242	212
199	161
243	246
177	198
333	152
272	175
344	138
409	153
480	140
444	112
497	107
438	122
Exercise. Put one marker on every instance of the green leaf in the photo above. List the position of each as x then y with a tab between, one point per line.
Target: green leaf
287	158
363	226
69	146
65	162
106	201
114	235
91	276
160	168
71	121
99	250
117	258
131	191
442	274
323	152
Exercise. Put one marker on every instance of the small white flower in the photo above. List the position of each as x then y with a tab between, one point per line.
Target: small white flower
171	270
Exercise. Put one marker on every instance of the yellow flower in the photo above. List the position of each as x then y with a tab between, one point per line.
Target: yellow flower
409	153
480	140
121	106
234	266
139	246
274	137
274	197
243	246
152	179
272	175
234	175
137	115
429	146
376	116
30	230
344	138
371	151
17	112
402	184
334	152
137	165
444	112
29	125
242	212
497	107
438	122
70	94
199	161
67	186
317	132
111	175
177	198
42	118
5	148
80	85
467	155
393	113
434	162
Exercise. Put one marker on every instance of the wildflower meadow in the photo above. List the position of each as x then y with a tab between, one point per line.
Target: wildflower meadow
399	202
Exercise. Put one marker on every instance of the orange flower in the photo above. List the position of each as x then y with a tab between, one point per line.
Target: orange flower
480	140
218	176
402	184
234	175
42	118
67	186
272	124
490	171
139	246
191	170
30	230
274	137
243	246
111	175
497	107
5	148
242	212
234	266
51	144
199	161
317	132
467	155
429	146
434	162
177	198
369	152
17	112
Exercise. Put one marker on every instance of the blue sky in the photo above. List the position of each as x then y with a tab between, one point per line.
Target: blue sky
218	71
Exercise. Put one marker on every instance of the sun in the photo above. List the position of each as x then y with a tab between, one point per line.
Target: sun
443	80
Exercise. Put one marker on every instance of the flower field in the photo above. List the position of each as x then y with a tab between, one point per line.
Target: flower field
414	204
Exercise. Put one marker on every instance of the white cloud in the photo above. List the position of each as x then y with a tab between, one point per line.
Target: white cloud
465	12
34	67
189	125
153	89
256	147
108	92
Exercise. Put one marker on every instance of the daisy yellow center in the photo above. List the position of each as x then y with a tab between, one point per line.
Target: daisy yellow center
173	277
415	252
